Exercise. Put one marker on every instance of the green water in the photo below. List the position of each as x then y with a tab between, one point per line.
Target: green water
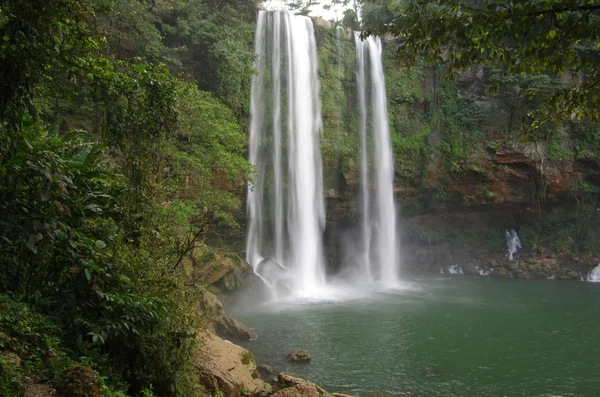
453	336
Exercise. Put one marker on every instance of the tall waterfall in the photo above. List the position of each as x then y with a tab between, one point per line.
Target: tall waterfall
378	225
286	206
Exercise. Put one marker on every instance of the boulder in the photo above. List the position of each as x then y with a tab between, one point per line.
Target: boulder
298	391
264	390
11	356
220	322
265	369
299	356
234	328
78	381
222	368
299	386
502	272
226	270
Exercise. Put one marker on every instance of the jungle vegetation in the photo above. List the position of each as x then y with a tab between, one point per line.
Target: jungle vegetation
123	151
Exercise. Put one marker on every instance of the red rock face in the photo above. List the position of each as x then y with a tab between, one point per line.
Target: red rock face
505	156
510	176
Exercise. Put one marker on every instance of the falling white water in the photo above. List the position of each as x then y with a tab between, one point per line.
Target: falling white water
455	269
379	213
365	224
291	232
594	275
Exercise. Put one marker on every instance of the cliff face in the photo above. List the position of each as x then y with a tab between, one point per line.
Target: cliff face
464	169
458	138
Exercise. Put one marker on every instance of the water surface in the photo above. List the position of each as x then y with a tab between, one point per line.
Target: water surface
445	336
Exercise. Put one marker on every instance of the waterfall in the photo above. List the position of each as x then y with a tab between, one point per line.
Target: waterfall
594	275
285	97
365	225
378	224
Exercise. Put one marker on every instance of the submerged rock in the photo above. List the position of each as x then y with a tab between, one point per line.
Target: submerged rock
299	356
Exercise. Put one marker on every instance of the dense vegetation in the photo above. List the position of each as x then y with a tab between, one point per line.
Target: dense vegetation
121	153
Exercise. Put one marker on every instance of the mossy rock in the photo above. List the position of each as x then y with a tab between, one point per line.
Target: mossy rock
78	381
299	356
11	380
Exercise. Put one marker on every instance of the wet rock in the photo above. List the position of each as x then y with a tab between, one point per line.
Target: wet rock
502	272
493	263
522	275
232	327
298	391
541	249
220	322
299	356
573	274
265	369
264	390
299	386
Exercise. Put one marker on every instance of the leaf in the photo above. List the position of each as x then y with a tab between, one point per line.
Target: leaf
124	279
100	244
33	240
88	275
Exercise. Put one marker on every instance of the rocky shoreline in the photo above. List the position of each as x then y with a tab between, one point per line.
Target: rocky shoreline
229	370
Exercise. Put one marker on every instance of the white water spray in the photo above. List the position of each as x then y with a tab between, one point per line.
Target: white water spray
378	227
594	275
296	220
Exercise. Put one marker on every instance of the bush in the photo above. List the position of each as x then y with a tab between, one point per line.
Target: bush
11	380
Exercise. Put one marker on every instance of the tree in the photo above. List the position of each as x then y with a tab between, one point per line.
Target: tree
35	36
305	7
534	37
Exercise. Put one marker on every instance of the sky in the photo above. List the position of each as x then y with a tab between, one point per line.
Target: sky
316	10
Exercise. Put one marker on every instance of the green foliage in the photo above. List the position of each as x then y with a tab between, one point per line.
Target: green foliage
115	168
11	380
459	35
305	7
248	358
77	381
574	231
35	36
53	208
30	334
